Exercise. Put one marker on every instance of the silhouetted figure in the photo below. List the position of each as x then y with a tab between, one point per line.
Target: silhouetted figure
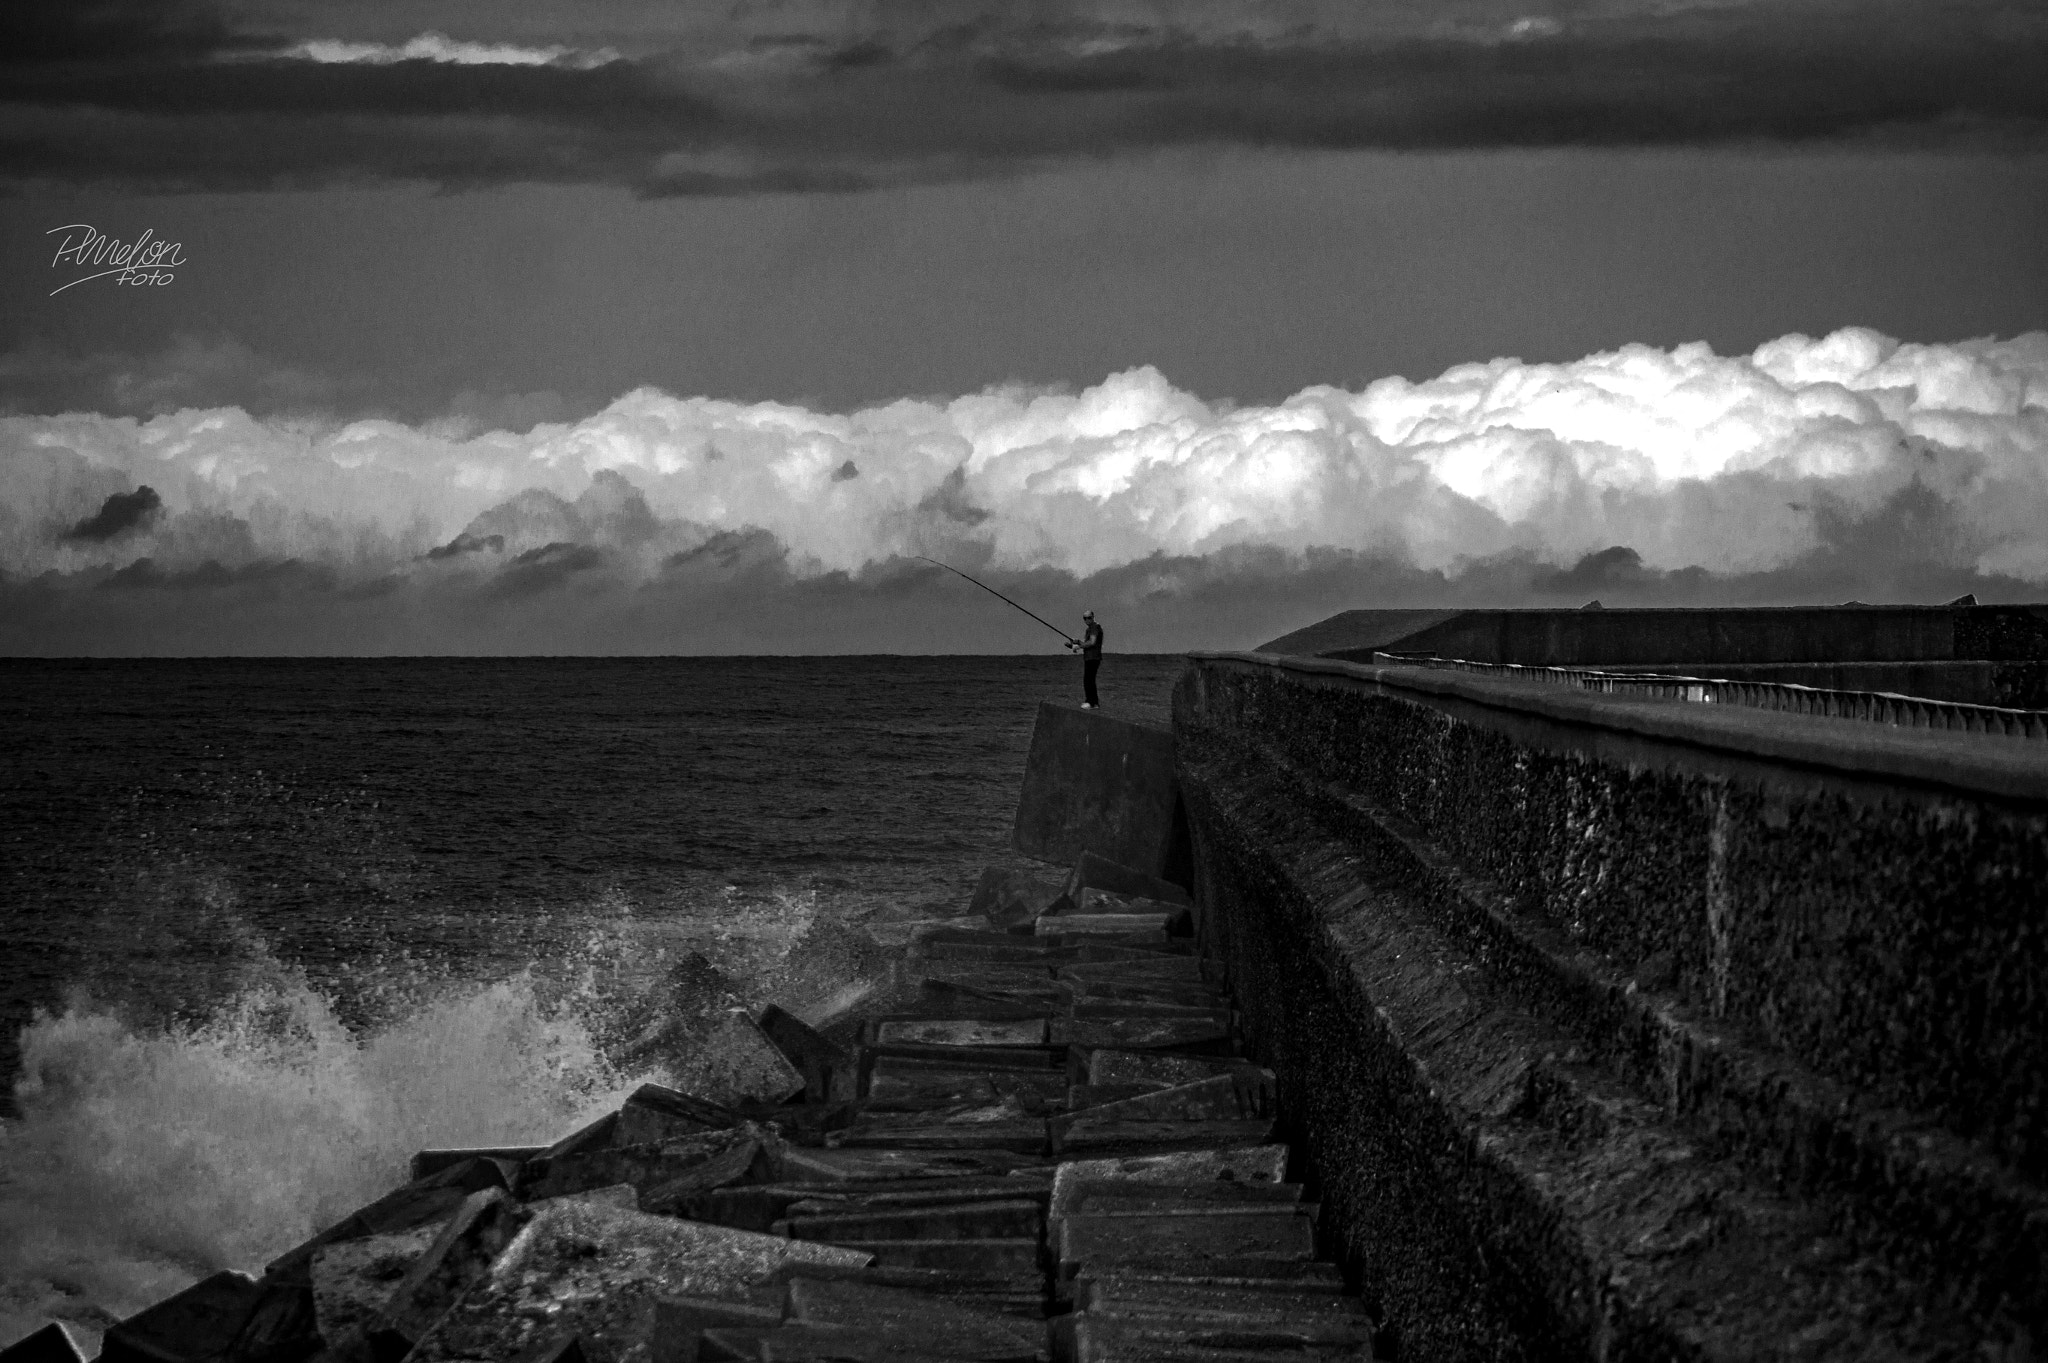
1091	659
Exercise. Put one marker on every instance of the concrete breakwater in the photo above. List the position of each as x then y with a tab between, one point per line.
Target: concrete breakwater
1041	1142
1384	1010
1621	1028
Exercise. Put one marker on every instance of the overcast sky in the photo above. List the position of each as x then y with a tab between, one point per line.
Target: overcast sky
628	327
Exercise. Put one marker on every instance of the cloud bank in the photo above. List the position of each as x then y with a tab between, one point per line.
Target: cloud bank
844	97
1850	465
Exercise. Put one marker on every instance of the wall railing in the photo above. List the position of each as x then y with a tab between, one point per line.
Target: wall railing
1878	707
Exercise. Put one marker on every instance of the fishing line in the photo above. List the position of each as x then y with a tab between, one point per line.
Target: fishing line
1000	597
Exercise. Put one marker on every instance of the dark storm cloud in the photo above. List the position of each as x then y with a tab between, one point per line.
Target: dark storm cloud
118	514
849	110
548	567
212	575
189	371
466	543
96	30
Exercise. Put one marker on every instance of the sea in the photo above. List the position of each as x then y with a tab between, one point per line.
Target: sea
271	925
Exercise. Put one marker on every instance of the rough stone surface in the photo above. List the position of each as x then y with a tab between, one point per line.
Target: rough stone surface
1107	876
354	1280
830	1071
646	1167
1006	896
597	1272
738	1062
1025	1031
460	1255
1250	1164
51	1344
1092	783
196	1325
1606	1047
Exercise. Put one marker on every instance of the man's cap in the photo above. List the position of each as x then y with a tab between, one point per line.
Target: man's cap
1087	615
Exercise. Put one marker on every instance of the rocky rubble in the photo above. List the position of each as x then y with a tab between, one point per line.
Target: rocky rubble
1041	1143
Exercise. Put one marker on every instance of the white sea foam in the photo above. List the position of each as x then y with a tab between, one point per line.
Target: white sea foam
147	1156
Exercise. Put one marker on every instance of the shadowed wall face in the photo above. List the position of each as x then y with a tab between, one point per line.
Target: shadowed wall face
1472	938
1101	785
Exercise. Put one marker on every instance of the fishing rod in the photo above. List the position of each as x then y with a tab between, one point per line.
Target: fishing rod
1000	597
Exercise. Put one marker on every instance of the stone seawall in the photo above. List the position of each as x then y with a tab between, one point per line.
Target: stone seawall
1638	1029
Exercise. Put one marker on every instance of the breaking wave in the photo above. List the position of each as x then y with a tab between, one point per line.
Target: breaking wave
146	1156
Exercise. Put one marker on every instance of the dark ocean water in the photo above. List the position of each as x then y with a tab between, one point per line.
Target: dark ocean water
271	923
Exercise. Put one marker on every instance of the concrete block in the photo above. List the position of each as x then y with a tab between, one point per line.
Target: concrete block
992	1128
1113	1292
1106	875
594	1136
1094	901
1123	1339
197	1324
656	1112
354	1280
1029	1031
989	1220
1154	1068
646	1167
426	1201
1139	1033
1006	897
51	1344
1004	1259
599	1273
1106	924
1240	1094
1100	784
1248	1164
954	1330
831	1073
1283	1233
1136	1135
427	1163
738	1063
459	1257
847	1166
734	1165
1112	1198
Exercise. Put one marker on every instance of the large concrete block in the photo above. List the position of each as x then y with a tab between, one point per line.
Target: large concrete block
354	1280
830	1071
1007	897
599	1273
198	1324
1104	785
1093	871
51	1344
738	1063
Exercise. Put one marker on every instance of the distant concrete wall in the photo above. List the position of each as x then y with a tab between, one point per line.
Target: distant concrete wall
2021	685
1101	785
1595	638
1618	1028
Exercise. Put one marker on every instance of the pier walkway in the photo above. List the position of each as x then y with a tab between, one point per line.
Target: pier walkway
1042	1144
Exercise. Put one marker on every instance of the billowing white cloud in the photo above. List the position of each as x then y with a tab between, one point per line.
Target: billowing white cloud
439	47
1730	463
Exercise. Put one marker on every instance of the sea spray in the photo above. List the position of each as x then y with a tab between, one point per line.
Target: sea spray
148	1154
143	1159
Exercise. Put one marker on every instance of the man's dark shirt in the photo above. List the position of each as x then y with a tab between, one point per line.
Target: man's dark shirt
1091	641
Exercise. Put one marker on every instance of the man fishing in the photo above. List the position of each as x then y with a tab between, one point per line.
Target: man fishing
1090	644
